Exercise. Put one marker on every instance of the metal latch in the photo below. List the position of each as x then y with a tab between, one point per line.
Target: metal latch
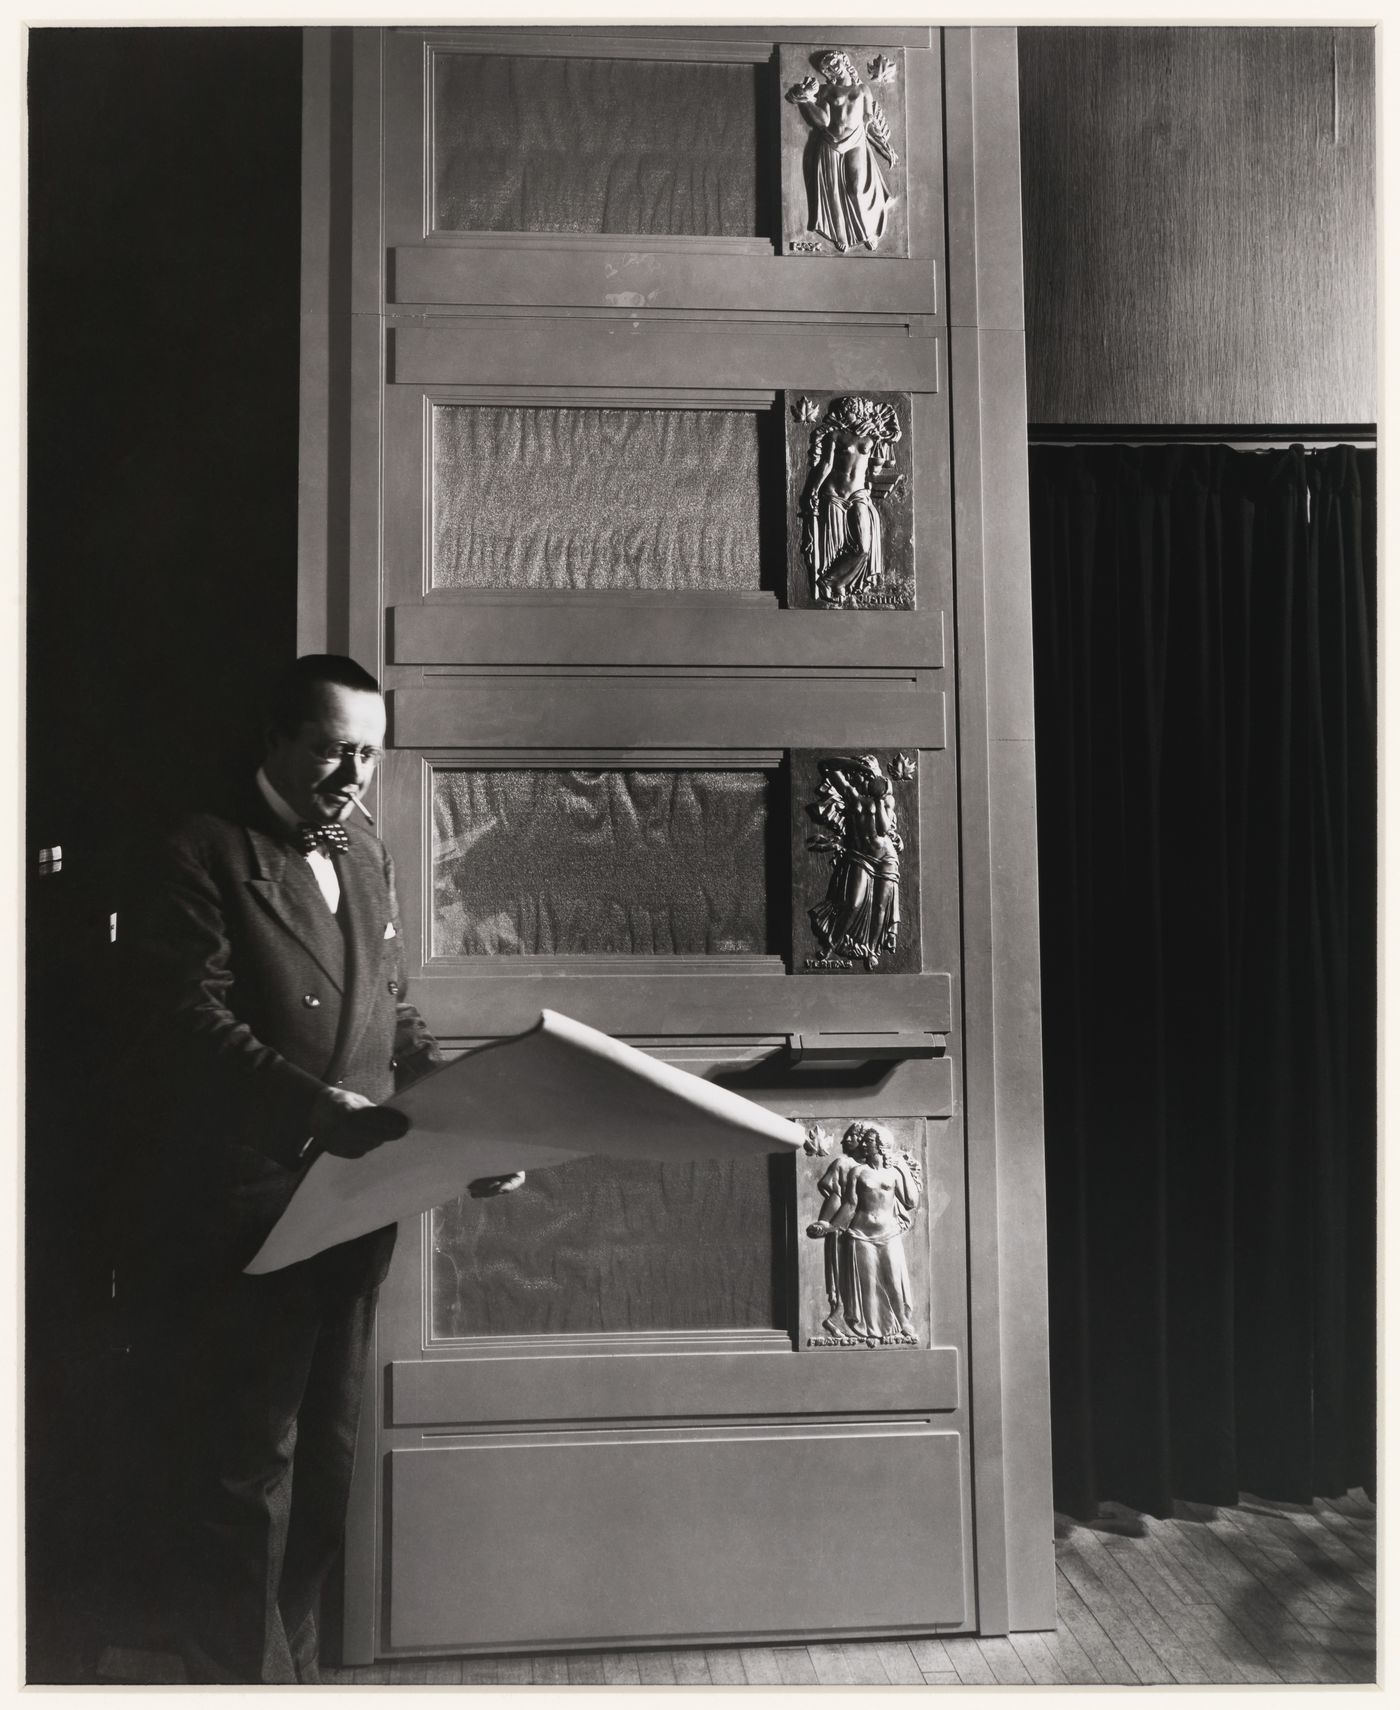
830	1047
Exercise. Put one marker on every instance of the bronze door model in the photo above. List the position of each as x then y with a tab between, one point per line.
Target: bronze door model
649	501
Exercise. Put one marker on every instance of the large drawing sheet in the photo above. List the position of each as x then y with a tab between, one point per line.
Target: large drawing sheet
560	1091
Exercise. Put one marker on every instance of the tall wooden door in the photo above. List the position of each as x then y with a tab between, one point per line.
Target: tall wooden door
647	479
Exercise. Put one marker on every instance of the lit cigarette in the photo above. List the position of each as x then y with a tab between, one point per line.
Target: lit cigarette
356	802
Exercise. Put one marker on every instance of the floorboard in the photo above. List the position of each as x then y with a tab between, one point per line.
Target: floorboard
830	1665
620	1669
1039	1662
864	1663
1265	1593
795	1666
1077	1621
691	1668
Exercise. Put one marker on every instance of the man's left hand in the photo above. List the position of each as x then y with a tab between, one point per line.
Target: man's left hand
487	1187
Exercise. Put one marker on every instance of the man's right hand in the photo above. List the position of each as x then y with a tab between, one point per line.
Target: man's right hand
348	1125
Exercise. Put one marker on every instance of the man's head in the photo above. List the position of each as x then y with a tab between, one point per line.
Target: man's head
325	733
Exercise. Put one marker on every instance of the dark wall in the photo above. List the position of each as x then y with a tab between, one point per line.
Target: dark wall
1199	224
164	300
163	345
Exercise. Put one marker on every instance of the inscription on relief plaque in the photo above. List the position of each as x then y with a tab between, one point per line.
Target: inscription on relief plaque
862	1207
850	509
855	859
843	183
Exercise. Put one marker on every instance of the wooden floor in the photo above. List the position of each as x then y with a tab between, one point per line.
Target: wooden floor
1265	1593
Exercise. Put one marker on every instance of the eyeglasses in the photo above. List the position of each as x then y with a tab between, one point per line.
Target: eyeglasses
335	752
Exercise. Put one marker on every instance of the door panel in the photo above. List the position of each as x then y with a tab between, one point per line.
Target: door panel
614	1245
644	1536
538	861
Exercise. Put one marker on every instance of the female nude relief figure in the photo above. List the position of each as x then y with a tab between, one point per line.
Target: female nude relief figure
855	811
841	535
850	201
869	1197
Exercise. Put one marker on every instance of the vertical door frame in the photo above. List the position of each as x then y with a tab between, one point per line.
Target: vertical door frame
1012	1504
339	520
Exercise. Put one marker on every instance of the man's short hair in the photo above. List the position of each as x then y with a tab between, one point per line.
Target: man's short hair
294	693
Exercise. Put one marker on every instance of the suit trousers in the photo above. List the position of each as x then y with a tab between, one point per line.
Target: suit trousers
279	1367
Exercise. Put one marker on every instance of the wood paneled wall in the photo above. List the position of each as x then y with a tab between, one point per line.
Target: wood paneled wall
1199	225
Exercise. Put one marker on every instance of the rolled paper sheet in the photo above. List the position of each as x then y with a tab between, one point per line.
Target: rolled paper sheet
562	1090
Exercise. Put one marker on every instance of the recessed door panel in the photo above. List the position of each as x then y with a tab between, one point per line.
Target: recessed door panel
583	145
600	861
559	499
704	1534
611	1245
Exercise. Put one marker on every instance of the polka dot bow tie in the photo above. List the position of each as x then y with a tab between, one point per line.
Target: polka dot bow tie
309	834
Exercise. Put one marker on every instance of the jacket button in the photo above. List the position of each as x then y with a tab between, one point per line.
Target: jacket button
393	1062
394	987
311	1001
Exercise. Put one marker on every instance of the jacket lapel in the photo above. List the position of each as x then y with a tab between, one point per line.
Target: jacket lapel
364	909
286	887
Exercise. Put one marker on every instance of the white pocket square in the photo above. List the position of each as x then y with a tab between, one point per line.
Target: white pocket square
389	931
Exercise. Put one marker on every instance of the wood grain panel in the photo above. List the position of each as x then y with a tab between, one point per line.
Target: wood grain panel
686	712
558	1388
583	862
1199	225
534	143
603	1246
670	1539
584	629
624	350
552	498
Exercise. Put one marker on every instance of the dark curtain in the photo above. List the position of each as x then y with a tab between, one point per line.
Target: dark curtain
1205	717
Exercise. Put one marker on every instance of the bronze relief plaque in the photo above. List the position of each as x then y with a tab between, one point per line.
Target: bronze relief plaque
844	182
855	850
865	1207
850	502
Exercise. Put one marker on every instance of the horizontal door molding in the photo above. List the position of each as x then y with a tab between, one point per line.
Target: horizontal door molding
646	629
744	43
616	274
633	350
574	1388
643	998
689	712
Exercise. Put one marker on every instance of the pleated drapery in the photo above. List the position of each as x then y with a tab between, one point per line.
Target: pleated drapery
1205	720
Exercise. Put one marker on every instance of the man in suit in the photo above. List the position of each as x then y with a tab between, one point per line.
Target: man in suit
272	975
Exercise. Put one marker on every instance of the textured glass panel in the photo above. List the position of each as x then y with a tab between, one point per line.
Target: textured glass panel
525	144
645	863
609	1244
576	498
